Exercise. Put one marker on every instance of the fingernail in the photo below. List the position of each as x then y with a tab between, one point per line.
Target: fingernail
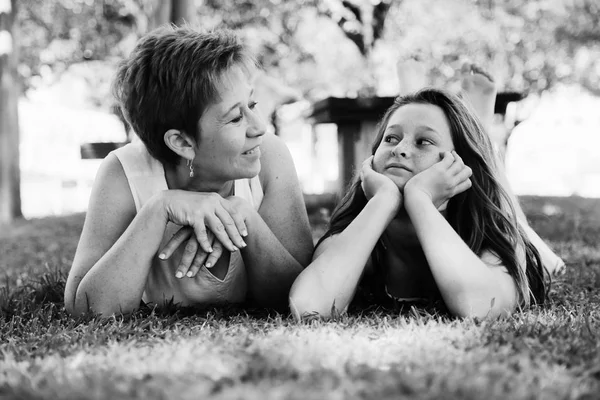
162	256
244	233
208	265
244	244
235	249
179	274
189	274
210	249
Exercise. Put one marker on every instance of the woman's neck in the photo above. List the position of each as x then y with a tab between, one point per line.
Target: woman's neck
178	177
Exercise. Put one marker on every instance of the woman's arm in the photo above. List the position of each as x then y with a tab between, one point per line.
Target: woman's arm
469	285
279	241
116	247
331	279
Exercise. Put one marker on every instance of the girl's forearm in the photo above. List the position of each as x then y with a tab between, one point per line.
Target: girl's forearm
116	282
466	283
331	279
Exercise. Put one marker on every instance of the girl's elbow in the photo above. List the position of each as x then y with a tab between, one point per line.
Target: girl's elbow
303	304
481	307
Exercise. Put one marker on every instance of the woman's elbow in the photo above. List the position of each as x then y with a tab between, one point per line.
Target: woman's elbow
82	305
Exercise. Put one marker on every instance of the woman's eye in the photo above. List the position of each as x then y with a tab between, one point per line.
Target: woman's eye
237	119
252	105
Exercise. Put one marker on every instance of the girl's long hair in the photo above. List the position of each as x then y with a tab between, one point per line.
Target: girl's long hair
483	216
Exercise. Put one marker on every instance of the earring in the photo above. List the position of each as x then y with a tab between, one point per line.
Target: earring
189	164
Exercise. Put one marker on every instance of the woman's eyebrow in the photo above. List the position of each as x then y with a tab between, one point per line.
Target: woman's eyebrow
236	105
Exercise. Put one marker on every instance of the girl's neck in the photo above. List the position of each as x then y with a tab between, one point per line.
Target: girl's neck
178	177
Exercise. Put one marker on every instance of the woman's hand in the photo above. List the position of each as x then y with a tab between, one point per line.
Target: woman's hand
373	182
202	211
194	256
441	181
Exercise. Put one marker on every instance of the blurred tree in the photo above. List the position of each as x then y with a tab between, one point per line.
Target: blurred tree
10	194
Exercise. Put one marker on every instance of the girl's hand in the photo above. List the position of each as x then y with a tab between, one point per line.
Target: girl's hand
373	183
441	181
202	211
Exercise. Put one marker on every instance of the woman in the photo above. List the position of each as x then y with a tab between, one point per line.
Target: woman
419	224
203	161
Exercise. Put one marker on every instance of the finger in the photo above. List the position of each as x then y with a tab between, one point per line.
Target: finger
238	219
202	238
446	159
213	257
216	226
187	257
461	187
464	174
458	164
176	240
198	261
230	227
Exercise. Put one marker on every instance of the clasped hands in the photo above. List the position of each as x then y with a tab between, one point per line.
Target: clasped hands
438	183
210	225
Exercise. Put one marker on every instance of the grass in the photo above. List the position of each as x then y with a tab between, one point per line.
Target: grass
551	352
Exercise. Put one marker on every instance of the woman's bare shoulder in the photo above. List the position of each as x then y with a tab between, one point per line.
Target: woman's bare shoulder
276	160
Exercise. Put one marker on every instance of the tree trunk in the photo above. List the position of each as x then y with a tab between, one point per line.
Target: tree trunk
10	192
174	11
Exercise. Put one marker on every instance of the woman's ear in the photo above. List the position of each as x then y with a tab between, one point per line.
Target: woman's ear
180	143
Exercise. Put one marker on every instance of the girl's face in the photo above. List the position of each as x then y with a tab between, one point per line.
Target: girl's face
413	139
230	133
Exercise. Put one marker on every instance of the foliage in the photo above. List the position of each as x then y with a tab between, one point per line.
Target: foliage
337	47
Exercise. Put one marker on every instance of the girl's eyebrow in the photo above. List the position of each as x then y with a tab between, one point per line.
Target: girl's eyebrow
420	128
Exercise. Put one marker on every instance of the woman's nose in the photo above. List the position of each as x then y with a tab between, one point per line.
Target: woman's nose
256	125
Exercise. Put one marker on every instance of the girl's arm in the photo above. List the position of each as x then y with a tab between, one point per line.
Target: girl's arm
330	281
470	286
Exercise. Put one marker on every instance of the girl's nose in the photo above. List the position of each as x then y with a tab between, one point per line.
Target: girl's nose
401	149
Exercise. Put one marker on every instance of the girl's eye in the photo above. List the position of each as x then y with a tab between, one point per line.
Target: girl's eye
424	142
391	139
252	105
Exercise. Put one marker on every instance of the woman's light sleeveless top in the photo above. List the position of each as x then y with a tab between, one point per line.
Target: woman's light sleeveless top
146	177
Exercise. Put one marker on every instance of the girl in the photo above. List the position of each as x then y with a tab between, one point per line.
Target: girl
420	223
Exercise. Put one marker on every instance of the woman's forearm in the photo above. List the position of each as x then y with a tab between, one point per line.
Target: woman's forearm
330	281
116	282
468	286
270	267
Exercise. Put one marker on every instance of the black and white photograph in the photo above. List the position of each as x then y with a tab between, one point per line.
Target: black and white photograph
300	199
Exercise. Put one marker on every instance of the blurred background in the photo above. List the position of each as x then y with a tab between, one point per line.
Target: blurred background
57	59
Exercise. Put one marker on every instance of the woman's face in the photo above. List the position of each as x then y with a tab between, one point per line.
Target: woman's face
415	136
230	132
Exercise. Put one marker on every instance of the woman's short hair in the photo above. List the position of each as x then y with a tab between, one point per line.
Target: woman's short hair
171	77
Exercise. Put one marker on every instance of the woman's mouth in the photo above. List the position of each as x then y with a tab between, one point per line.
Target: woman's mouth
251	151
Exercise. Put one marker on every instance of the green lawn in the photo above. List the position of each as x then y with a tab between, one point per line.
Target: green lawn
547	353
